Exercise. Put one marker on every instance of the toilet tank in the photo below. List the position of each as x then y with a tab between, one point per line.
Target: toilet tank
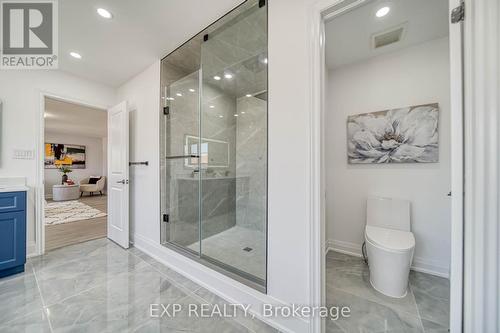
388	213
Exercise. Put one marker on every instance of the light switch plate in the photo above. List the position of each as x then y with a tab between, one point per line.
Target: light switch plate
21	154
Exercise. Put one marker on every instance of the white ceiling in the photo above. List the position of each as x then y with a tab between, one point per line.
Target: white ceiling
349	36
74	119
140	32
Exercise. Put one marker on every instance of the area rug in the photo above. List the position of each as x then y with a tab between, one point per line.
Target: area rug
69	211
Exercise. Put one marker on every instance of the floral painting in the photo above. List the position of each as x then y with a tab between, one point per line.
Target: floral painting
405	135
58	155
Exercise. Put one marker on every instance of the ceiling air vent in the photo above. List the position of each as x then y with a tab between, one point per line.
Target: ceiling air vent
388	37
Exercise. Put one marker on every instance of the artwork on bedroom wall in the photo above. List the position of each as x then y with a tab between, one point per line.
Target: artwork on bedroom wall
404	135
58	154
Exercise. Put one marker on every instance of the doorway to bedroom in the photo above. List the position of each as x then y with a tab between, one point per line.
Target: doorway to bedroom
75	170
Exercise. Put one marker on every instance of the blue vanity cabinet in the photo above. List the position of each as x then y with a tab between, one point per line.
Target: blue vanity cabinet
12	232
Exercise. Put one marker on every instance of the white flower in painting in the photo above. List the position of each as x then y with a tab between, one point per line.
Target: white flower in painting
394	136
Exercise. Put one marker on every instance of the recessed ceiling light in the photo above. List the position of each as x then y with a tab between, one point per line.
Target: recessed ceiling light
242	112
228	76
235	115
211	106
221	116
191	90
382	11
216	77
104	13
75	55
265	60
170	98
179	94
248	95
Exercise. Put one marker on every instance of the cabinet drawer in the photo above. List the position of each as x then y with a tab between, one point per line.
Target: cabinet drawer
12	202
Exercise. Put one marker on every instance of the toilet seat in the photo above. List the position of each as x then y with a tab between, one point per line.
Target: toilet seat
390	239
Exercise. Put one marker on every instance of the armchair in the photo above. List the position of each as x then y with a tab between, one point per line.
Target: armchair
91	188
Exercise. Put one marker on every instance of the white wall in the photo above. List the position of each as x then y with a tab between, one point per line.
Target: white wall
20	92
416	75
143	95
94	159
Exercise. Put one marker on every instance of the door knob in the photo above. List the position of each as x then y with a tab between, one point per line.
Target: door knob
123	181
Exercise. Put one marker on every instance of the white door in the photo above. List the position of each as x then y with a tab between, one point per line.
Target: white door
118	185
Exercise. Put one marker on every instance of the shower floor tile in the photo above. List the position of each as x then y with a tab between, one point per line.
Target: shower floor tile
424	309
238	247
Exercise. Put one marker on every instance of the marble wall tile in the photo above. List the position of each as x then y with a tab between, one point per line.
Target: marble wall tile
251	163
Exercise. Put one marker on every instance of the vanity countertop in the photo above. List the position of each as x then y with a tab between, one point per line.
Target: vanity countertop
14	189
13	184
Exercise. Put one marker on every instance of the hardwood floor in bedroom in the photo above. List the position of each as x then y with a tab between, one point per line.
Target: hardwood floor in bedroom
65	234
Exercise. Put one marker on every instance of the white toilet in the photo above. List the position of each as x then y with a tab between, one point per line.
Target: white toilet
389	245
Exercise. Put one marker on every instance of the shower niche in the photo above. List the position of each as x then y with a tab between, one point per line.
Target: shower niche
214	146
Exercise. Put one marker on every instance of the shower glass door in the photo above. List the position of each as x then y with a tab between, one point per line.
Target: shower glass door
181	161
214	146
234	112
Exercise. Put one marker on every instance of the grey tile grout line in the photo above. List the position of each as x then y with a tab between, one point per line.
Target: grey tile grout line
43	300
188	292
418	311
29	312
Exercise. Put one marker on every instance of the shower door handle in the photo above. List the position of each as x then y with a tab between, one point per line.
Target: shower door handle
181	156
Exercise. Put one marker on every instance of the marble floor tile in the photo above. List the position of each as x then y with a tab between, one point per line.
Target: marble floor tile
19	295
70	278
431	285
186	323
251	323
119	305
431	327
35	322
351	275
175	277
368	316
99	287
71	253
433	309
424	309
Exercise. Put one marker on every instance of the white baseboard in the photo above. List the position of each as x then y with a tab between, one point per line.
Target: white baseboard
419	264
221	285
31	250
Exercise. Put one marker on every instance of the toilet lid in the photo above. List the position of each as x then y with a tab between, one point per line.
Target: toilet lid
389	238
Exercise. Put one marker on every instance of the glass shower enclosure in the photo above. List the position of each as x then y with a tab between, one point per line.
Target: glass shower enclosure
214	146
